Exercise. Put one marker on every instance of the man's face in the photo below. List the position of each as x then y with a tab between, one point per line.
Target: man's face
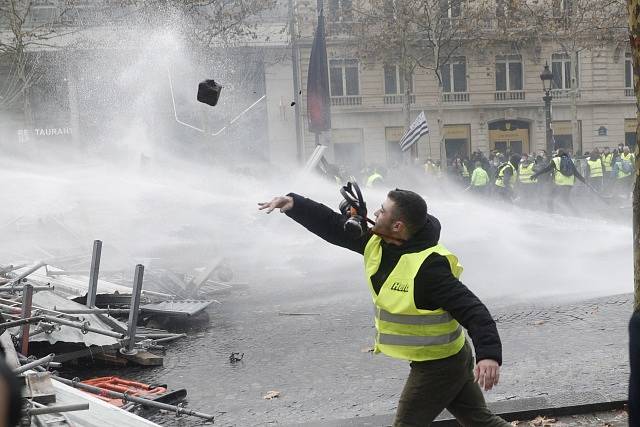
386	223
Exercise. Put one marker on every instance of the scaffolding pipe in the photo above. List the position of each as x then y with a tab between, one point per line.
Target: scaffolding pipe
25	359
167	339
94	272
24	274
19	322
92	310
39	362
21	288
134	310
83	326
58	409
27	297
129	398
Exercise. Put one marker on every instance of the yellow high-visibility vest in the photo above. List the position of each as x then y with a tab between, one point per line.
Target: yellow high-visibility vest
558	177
479	177
524	174
373	178
512	180
595	168
607	159
404	331
465	171
626	158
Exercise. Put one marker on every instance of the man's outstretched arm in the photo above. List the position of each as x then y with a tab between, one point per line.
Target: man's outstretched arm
317	218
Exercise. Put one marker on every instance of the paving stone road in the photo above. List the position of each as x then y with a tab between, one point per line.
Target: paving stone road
310	344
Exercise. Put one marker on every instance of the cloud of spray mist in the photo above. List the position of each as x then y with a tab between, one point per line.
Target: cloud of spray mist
183	212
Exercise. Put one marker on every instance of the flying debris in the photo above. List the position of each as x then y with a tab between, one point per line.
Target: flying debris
209	92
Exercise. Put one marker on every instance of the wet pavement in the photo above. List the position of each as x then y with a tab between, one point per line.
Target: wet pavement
309	343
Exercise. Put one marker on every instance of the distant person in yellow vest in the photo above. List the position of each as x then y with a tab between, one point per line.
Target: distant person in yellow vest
564	176
607	161
525	186
374	180
507	176
421	307
626	172
479	180
595	170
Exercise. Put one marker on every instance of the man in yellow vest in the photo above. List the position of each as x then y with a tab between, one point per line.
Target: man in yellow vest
626	172
595	170
374	180
526	186
607	161
507	178
564	175
421	307
479	180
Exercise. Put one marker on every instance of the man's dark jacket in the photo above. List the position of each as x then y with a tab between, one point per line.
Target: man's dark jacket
435	286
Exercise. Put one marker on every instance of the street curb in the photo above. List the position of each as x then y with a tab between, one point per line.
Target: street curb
510	410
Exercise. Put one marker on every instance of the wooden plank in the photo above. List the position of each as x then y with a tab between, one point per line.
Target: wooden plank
144	358
39	387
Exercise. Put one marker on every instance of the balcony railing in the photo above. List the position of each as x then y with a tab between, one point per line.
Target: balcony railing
509	95
455	97
346	100
398	99
563	93
628	91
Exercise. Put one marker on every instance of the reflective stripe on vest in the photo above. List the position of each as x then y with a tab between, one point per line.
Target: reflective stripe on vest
524	174
595	168
403	330
407	319
512	180
607	159
410	340
558	177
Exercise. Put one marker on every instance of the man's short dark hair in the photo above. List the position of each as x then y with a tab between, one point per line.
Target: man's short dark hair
409	208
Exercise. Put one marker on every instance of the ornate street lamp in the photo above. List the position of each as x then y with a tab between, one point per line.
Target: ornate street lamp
547	79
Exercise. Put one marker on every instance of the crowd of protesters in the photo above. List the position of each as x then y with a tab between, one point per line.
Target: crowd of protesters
529	179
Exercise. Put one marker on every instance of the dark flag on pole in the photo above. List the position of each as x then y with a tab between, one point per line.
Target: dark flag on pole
318	107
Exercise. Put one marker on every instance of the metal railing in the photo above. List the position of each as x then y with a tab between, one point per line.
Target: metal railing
563	93
509	95
455	97
628	91
398	99
346	100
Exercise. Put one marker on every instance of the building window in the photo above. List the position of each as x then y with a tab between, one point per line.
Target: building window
561	70
628	71
341	10
343	77
509	73
562	7
454	75
394	80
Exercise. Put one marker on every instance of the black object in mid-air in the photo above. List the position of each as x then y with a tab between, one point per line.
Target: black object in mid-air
209	92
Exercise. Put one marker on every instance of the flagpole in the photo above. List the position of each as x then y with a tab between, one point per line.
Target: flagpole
296	84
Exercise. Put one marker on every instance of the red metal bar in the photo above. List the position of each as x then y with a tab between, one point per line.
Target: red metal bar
27	296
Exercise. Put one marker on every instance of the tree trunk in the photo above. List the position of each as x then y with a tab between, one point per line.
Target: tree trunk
575	133
634	31
442	146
